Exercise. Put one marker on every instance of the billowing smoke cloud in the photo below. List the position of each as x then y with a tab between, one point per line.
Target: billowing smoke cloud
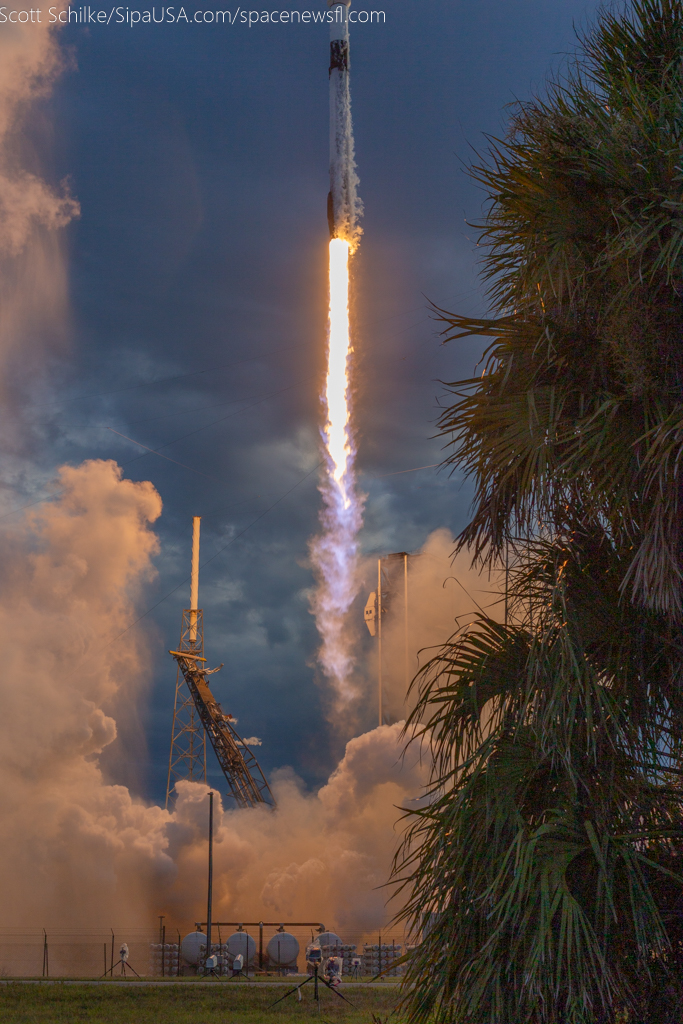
33	284
78	852
75	850
323	856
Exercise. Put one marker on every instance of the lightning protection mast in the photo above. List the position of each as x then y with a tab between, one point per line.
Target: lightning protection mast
187	759
378	604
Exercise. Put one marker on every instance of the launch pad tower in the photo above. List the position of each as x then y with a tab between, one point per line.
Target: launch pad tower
197	714
187	759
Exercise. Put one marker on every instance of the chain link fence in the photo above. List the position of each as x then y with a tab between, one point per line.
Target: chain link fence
145	955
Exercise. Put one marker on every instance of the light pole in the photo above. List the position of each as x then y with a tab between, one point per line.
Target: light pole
379	638
209	901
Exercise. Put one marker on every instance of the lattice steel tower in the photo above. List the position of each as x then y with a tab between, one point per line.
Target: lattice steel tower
197	714
187	759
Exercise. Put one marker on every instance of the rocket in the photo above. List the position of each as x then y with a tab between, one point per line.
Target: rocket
343	205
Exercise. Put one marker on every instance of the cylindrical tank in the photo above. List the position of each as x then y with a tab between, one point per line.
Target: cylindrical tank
193	947
242	942
329	939
283	950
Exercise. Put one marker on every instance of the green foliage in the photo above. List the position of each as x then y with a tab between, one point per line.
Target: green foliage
546	871
579	413
185	1003
551	850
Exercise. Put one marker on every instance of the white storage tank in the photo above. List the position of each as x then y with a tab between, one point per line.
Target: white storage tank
283	950
242	942
193	947
329	939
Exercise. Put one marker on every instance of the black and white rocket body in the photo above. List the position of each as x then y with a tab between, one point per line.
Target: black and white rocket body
343	205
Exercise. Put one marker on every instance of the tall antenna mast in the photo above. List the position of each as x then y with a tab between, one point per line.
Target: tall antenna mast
194	579
187	758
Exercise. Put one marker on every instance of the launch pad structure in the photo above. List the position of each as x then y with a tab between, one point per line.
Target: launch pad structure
197	714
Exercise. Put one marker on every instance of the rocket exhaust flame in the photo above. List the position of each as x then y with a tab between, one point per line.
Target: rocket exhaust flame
335	551
336	391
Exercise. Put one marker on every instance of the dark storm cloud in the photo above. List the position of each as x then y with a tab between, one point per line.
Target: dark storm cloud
199	157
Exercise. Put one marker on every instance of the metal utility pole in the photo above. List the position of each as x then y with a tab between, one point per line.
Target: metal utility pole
507	573
405	615
209	901
187	758
379	638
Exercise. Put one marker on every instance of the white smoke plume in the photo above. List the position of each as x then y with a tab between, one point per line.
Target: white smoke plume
334	554
322	856
80	853
33	280
75	850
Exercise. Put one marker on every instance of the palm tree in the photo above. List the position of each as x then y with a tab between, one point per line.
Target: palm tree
546	872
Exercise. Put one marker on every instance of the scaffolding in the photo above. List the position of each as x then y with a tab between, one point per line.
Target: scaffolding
187	759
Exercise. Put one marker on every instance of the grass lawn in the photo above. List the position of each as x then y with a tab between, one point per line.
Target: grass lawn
191	1004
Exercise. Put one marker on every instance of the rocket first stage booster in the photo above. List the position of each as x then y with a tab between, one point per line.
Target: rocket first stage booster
343	204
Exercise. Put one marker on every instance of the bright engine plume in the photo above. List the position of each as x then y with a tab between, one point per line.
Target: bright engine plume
335	551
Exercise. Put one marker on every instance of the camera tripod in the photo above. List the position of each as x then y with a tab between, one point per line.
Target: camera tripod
315	978
124	964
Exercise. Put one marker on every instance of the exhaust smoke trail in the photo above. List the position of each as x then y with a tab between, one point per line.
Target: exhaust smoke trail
335	551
